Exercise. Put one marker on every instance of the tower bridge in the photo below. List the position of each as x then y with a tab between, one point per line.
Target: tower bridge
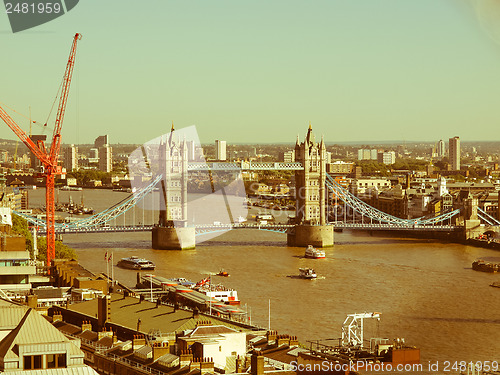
316	192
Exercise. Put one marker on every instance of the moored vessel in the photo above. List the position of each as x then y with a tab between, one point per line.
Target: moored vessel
218	292
136	263
314	253
481	265
358	354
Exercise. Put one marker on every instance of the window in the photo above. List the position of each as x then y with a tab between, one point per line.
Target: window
57	360
32	362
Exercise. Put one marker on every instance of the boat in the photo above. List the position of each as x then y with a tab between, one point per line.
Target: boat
314	253
307	273
364	354
222	273
136	263
481	265
496	284
217	291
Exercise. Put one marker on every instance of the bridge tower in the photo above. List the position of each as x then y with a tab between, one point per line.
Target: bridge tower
172	232
472	224
310	217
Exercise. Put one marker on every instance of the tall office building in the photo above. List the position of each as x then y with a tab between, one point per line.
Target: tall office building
101	141
94	155
386	157
106	158
70	161
441	149
288	156
366	154
220	150
454	148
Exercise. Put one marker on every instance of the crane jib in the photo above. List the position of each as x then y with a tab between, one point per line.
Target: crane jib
49	158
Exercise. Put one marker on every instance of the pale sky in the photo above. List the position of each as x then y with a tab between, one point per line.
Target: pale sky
258	71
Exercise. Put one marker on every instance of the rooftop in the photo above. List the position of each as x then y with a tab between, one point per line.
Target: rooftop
126	311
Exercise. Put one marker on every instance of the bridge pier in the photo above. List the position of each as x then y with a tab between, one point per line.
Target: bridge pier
472	229
173	238
315	235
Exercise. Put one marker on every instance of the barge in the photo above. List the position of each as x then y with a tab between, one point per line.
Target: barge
355	353
481	265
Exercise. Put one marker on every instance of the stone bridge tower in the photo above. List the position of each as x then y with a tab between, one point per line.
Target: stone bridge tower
310	192
310	182
171	232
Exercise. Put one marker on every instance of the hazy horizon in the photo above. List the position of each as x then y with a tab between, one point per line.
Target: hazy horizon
260	71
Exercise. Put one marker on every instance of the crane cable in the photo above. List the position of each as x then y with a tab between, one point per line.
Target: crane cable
55	99
20	114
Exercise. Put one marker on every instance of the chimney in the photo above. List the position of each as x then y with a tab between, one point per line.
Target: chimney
271	337
194	364
159	349
105	333
32	301
239	364
103	311
57	317
207	366
257	364
196	312
294	341
283	340
138	342
139	325
185	358
86	326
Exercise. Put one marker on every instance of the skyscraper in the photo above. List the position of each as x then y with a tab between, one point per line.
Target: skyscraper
454	149
106	158
220	150
71	158
441	149
101	141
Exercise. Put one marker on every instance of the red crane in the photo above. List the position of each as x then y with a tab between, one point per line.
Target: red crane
49	158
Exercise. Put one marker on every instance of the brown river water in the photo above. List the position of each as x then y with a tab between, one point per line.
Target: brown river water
425	290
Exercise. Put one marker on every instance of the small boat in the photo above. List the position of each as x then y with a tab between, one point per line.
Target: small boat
135	263
222	273
313	253
307	273
496	284
481	265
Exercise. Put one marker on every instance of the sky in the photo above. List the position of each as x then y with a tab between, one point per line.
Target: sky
259	71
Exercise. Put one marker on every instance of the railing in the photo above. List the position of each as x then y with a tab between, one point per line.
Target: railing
365	210
385	226
101	350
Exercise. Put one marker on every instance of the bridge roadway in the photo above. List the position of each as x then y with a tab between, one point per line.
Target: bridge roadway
245	166
281	228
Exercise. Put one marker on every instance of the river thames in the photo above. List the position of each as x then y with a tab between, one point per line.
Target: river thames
425	290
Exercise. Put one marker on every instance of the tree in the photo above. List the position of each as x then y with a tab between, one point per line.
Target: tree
62	251
20	226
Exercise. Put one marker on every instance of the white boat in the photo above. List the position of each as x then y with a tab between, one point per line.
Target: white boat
136	263
218	291
314	253
307	273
